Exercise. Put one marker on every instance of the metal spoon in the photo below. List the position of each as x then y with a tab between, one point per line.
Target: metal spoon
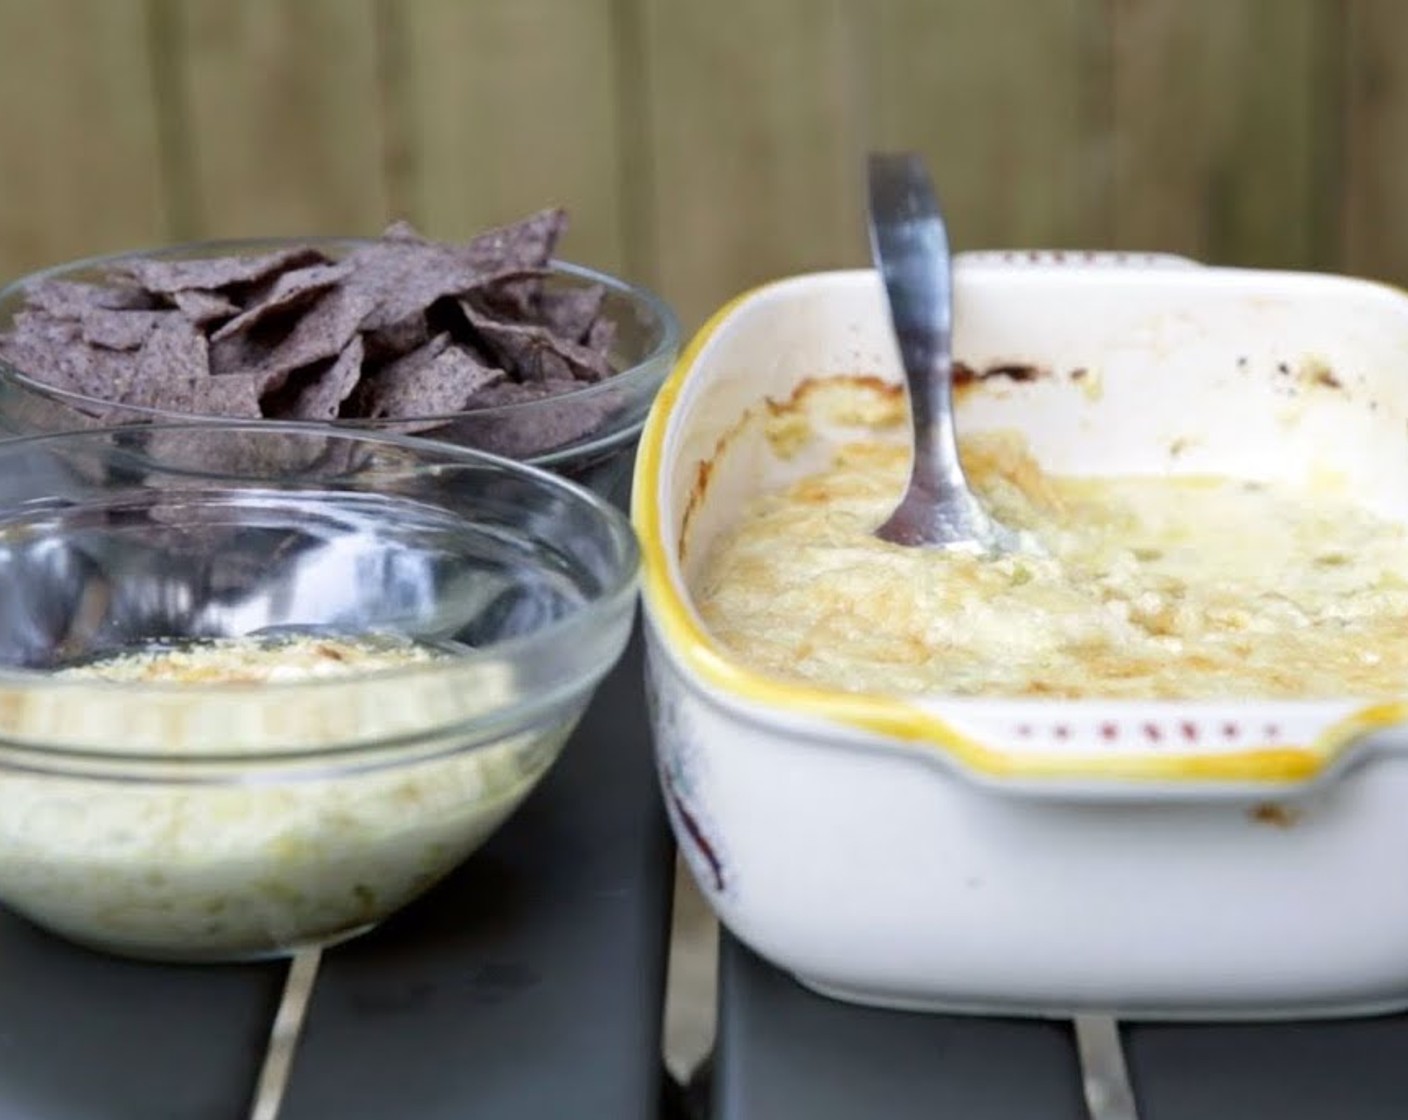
909	244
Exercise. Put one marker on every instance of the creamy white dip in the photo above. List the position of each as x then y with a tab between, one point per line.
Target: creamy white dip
1148	587
235	868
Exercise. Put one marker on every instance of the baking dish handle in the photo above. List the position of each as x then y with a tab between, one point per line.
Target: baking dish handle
1122	749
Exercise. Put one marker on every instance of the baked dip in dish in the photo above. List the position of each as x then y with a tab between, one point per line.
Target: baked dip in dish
1132	586
262	685
1150	764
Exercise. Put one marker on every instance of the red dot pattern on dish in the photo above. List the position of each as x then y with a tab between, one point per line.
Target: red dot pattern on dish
1184	732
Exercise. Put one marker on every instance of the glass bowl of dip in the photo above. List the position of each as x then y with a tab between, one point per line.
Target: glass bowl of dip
263	684
587	434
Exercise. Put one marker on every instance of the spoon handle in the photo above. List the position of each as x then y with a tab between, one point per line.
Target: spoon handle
910	240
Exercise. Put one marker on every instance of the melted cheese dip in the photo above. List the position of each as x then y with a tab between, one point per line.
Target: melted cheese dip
1138	587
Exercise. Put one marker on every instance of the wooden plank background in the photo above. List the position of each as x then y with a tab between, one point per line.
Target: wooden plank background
704	147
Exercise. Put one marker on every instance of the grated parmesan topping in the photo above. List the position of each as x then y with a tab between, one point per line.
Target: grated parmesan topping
253	660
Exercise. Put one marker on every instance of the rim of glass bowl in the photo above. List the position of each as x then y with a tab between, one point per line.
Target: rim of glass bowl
434	455
653	367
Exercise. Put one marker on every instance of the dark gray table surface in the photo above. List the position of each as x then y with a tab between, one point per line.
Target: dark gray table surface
783	1051
528	985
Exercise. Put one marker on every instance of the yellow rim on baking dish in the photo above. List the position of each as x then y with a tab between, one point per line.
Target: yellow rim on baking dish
894	718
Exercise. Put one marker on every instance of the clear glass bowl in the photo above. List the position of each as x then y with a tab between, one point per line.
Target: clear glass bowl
229	821
588	435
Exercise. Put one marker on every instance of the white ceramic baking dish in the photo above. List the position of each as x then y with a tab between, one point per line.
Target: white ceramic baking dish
1155	859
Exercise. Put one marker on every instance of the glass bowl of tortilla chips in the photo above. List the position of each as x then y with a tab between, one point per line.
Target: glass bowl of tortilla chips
491	343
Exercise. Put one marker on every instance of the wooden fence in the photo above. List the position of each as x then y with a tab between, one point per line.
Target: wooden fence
702	145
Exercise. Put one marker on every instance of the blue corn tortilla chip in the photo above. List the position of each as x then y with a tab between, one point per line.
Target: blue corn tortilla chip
39	327
88	371
534	352
397	339
439	379
528	244
201	452
601	336
39	340
235	396
402	230
72	299
321	332
123	330
322	396
525	246
204	307
171	361
404	278
210	274
403	328
545	426
291	290
571	313
413	360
